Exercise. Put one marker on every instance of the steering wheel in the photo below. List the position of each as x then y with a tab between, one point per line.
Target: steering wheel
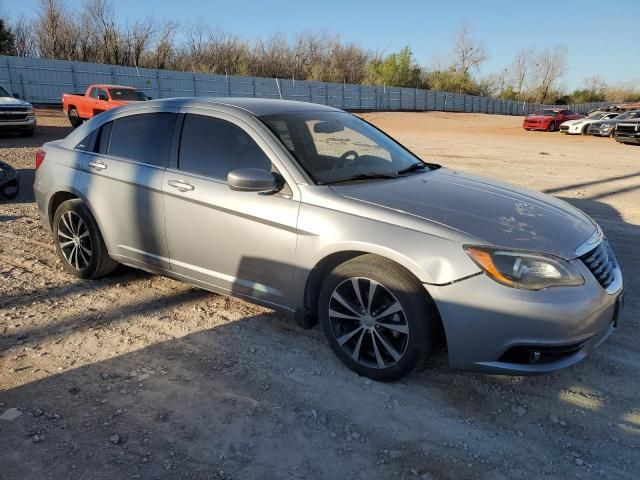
344	159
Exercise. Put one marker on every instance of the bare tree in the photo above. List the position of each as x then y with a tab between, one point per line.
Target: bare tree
162	53
550	65
25	39
521	70
467	53
56	35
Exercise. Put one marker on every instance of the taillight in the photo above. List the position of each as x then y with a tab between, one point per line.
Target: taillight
40	158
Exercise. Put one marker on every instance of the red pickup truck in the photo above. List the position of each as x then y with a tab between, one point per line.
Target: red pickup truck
97	99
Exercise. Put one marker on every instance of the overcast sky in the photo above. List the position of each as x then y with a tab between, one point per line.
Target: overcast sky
601	36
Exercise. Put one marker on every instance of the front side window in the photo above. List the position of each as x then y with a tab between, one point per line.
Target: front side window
213	147
144	138
3	92
338	146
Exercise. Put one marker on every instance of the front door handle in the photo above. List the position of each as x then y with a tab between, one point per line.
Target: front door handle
181	185
97	165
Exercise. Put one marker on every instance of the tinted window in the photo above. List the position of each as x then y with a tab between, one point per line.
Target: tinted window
127	94
213	147
4	93
102	143
144	138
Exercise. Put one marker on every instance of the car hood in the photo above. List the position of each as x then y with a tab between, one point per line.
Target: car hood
13	102
496	213
578	120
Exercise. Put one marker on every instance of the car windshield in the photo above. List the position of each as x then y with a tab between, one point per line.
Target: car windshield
337	146
127	95
546	113
597	115
627	115
4	93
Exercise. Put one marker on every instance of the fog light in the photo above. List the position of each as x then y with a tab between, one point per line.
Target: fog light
534	356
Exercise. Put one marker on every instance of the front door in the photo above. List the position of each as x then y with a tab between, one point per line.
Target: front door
240	242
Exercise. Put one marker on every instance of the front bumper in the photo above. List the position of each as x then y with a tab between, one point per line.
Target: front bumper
600	132
628	138
571	129
535	126
485	321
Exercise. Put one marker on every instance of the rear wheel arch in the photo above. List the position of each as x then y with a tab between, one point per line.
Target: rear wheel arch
54	203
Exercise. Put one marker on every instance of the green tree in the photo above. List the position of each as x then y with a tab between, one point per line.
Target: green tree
451	80
7	39
397	70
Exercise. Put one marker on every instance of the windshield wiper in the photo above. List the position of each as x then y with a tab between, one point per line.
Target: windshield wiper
412	167
362	176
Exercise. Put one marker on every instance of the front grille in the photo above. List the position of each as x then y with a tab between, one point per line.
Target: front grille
564	127
627	128
12	116
601	262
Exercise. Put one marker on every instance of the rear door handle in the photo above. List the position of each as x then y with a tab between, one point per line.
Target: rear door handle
97	165
181	185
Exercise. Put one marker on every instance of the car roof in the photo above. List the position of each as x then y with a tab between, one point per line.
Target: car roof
254	106
107	85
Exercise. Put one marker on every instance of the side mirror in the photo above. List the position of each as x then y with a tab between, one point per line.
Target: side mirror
149	98
102	96
251	180
16	95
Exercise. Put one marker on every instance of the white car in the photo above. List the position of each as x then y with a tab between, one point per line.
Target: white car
581	125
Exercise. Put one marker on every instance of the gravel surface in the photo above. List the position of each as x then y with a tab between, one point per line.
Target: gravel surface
139	376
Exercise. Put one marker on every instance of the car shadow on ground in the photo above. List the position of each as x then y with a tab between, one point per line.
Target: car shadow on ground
259	397
44	133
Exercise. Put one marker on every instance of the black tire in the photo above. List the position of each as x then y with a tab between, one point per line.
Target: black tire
552	127
10	190
87	266
74	118
393	284
585	130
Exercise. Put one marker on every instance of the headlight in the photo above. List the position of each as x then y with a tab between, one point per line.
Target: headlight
521	269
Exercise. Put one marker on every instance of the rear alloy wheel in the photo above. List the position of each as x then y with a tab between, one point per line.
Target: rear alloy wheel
79	243
377	318
552	127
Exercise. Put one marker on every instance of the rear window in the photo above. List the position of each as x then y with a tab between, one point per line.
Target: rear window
144	138
546	113
127	95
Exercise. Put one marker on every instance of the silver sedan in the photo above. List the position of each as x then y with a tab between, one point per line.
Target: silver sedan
312	211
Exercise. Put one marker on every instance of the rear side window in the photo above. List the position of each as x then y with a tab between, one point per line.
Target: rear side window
144	138
213	147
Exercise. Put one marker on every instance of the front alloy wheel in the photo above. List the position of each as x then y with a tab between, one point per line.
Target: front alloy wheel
368	323
377	317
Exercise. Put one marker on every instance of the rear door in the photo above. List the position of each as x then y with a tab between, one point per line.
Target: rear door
121	179
239	242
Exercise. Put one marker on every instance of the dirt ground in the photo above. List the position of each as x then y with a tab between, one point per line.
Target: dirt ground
139	376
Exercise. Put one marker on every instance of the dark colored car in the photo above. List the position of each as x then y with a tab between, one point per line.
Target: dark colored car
628	132
607	128
548	119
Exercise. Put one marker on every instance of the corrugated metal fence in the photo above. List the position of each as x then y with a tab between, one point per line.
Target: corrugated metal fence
42	81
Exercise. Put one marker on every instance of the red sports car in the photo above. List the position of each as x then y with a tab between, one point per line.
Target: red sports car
548	119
